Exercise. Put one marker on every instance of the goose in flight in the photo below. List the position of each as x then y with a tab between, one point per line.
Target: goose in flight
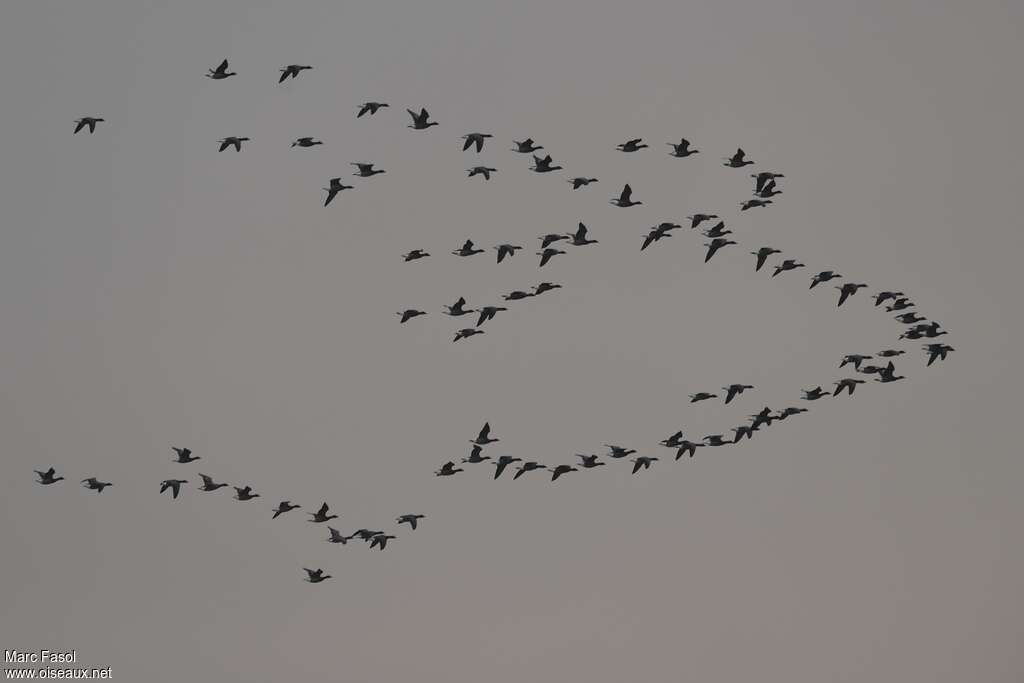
503	462
937	352
625	198
698	218
882	297
763	178
908	318
448	469
743	431
789	412
516	295
95	484
221	72
506	250
762	255
414	255
184	455
657	233
643	461
738	159
673	441
283	507
823	276
550	238
547	254
467	249
316	576
589	461
488	313
409	314
411	520
682	149
848	384
714	245
855	358
631	145
419	121
366	170
481	170
484	437
337	537
466	333
306	142
618	451
545	287
579	238
888	374
717	230
543	165
701	396
558	471
334	188
245	493
768	190
231	140
526	146
581	181
458	309
370	108
763	417
380	541
174	485
475	139
734	390
788	264
889	353
527	467
814	394
474	455
715	440
847	290
754	203
89	121
688	447
321	516
899	305
292	70
209	484
47	477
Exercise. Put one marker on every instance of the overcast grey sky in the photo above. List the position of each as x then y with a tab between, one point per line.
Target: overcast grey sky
154	293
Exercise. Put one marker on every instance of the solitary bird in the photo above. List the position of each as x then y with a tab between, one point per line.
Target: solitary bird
370	108
475	139
547	254
458	309
419	121
589	461
283	507
788	264
526	146
209	484
762	178
714	245
47	477
316	576
527	467
847	383
337	537
488	313
543	165
855	358
558	471
754	203
321	516
882	297
631	145
618	451
366	170
448	469
738	159
173	484
481	170
184	455
245	493
484	437
503	462
625	198
698	218
292	70
688	447
734	390
814	394
414	255
475	455
762	255
579	238
643	461
581	181
232	140
937	351
506	250
701	396
95	484
545	287
409	314
90	121
334	188
847	290
467	249
411	520
466	332
306	142
682	149
823	276
221	72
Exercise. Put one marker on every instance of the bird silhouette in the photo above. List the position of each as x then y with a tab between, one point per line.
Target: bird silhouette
95	484
174	485
89	121
526	146
475	139
209	484
481	170
581	181
316	576
738	159
631	145
283	507
419	121
335	187
625	198
411	520
321	516
682	148
370	108
543	165
292	70
221	72
46	478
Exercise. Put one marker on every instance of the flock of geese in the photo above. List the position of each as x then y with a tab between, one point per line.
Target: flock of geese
765	188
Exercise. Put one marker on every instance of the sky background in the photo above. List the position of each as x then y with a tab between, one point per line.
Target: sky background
155	292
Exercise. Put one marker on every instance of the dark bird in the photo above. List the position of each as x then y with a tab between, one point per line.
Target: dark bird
788	264
466	332
467	249
579	238
899	305
409	314
90	121
184	455
763	178
419	121
488	313
95	484
366	534
688	447
292	70
579	182
231	140
556	472
484	437
643	461
321	516
448	469
848	384
657	233
316	576
209	484
631	145
411	520
458	309
337	537
550	238
543	165
481	170
762	255
526	146
475	139
701	396
882	297
545	287
823	276
888	374
937	351
503	462
415	254
854	358
698	218
245	493
768	190
475	455
283	507
334	188
715	440
763	417
589	461
370	108
527	467
673	441
846	291
517	294
174	485
889	353
909	318
47	477
754	203
618	451
788	412
682	149
221	72
717	230
714	245
625	198
546	255
870	370
506	250
306	142
814	394
738	159
380	541
366	170
743	431
734	390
